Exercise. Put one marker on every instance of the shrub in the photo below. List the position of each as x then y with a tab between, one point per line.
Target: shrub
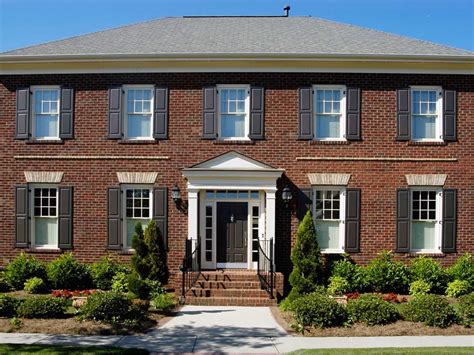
286	304
463	269
429	271
138	287
120	282
466	309
8	306
164	302
432	310
103	272
385	275
354	274
419	287
371	310
35	285
305	256
22	268
65	272
4	285
338	285
458	288
42	307
318	310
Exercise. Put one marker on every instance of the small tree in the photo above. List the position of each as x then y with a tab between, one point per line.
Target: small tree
156	253
307	268
139	259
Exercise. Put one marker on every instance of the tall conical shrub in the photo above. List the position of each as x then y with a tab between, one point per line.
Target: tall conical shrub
156	254
139	258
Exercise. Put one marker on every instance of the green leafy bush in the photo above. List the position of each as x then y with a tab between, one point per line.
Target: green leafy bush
286	304
338	285
458	288
385	275
139	287
35	285
428	270
4	285
103	272
42	307
164	302
318	310
22	268
371	310
419	287
8	306
65	272
463	269
432	310
120	282
354	274
466	309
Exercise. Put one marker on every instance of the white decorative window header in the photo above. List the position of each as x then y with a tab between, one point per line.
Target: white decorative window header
426	179
137	178
53	177
329	179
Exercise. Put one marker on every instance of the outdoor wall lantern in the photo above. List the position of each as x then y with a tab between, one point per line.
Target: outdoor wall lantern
286	196
176	194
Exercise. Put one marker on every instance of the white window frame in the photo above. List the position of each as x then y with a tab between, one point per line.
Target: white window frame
34	89
342	123
439	113
126	88
33	217
342	215
438	222
124	189
247	112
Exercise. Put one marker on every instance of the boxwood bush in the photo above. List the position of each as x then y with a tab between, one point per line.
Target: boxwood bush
371	310
385	275
466	309
432	310
22	268
8	306
42	307
429	271
458	288
65	272
104	271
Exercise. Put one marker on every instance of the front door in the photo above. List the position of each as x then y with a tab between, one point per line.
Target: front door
232	234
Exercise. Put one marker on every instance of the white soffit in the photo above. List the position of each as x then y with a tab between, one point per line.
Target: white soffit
329	179
426	179
137	178
53	177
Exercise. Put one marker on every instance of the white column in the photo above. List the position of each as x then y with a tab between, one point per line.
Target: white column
193	215
270	216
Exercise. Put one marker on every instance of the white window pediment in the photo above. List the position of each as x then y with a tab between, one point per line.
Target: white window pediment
232	161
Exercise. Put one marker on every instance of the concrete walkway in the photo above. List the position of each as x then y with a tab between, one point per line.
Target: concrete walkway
231	330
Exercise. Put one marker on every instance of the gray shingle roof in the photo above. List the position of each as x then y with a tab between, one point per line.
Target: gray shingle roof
239	36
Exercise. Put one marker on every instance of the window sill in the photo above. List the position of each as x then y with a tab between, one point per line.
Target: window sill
45	141
126	252
413	254
138	141
426	143
313	142
234	142
44	250
332	252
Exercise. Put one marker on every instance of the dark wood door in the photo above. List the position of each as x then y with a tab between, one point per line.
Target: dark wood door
232	232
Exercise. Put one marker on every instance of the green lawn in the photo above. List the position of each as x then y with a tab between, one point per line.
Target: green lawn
388	351
18	349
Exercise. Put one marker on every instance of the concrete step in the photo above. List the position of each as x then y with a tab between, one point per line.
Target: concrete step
235	293
216	285
231	301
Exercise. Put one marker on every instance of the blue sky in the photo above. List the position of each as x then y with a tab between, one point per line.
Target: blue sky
29	22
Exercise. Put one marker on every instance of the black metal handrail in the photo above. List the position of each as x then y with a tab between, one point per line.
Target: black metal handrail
265	271
191	267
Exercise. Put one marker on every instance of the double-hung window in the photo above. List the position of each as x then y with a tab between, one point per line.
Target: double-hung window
139	112
426	113
234	106
330	216
45	113
330	112
45	217
426	215
138	208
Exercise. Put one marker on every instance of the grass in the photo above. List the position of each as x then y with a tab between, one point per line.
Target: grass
19	349
389	351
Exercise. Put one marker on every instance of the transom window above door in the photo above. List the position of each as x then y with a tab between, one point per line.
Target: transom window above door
46	113
232	194
426	113
330	112
139	112
233	112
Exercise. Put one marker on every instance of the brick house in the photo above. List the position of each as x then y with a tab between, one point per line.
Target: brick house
371	131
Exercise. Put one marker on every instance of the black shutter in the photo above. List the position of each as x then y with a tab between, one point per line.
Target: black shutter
160	211
306	131
66	114
351	244
257	105
449	115
22	113
305	200
22	230
160	124
209	108
403	220
114	218
403	115
115	128
353	114
449	221
65	217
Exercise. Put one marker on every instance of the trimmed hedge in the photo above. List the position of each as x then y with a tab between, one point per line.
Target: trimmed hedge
318	310
8	306
466	309
432	310
371	310
42	307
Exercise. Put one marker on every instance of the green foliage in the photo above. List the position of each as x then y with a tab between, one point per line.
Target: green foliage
8	306
65	272
386	275
35	285
16	323
354	274
307	268
42	307
466	309
463	269
103	272
286	304
318	310
120	282
22	268
432	310
371	310
4	285
458	288
139	259
428	270
338	285
139	287
164	302
419	287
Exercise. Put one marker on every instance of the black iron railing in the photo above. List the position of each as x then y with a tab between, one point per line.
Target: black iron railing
191	268
265	271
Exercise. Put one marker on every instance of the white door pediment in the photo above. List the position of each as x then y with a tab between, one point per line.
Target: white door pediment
232	161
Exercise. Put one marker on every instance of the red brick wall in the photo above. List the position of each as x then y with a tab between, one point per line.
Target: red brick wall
377	179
